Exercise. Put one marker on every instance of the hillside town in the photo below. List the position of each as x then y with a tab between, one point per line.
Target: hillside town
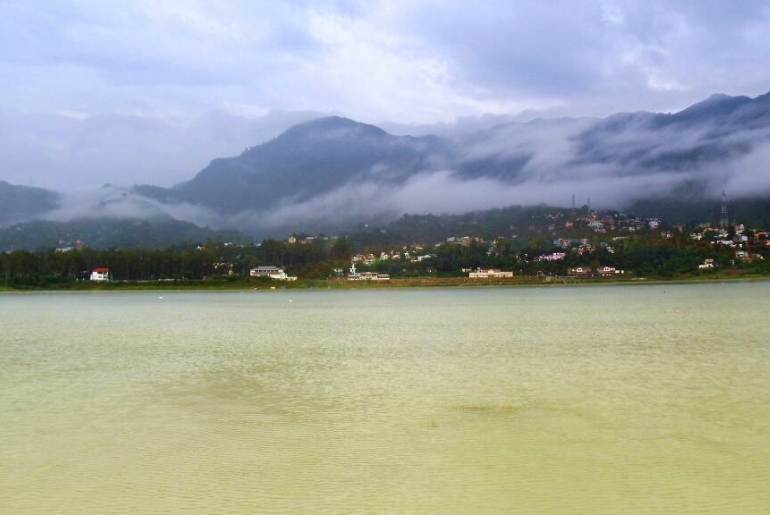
592	246
542	244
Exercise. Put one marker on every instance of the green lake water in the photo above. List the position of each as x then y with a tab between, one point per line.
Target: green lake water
606	399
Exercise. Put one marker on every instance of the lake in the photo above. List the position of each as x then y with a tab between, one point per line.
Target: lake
602	399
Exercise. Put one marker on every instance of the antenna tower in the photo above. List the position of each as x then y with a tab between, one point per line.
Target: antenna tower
724	220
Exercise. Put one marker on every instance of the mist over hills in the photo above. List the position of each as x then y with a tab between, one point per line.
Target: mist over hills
306	161
334	167
20	203
109	233
334	173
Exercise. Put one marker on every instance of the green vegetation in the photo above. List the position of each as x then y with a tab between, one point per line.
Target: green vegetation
318	264
538	244
219	265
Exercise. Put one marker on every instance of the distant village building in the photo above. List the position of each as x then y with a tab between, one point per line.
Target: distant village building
553	256
355	275
100	274
272	272
602	271
368	276
707	264
491	273
295	239
367	259
748	257
610	271
465	241
564	243
596	226
581	271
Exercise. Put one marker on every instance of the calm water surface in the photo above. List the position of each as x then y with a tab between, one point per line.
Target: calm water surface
646	399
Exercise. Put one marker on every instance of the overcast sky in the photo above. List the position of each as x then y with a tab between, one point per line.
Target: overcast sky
150	91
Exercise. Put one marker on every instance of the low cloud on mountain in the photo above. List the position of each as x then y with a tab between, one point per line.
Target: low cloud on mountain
334	173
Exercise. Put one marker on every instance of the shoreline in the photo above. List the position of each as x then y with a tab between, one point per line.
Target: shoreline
341	284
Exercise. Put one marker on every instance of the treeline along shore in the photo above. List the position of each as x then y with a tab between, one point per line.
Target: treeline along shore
345	262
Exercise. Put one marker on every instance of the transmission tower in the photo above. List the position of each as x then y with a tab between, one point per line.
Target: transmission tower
724	220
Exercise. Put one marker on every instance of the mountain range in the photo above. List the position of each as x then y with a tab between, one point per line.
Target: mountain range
333	172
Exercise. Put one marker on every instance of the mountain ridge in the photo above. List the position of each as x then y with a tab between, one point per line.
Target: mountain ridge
332	171
315	157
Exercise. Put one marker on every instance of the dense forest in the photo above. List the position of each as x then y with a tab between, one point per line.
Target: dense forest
211	261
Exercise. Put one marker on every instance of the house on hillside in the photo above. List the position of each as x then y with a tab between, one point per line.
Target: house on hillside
552	257
100	273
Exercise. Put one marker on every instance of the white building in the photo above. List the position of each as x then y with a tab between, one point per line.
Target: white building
354	275
367	259
491	273
707	264
610	271
272	272
553	256
100	274
597	226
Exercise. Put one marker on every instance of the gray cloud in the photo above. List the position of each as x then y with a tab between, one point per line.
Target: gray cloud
150	91
75	150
